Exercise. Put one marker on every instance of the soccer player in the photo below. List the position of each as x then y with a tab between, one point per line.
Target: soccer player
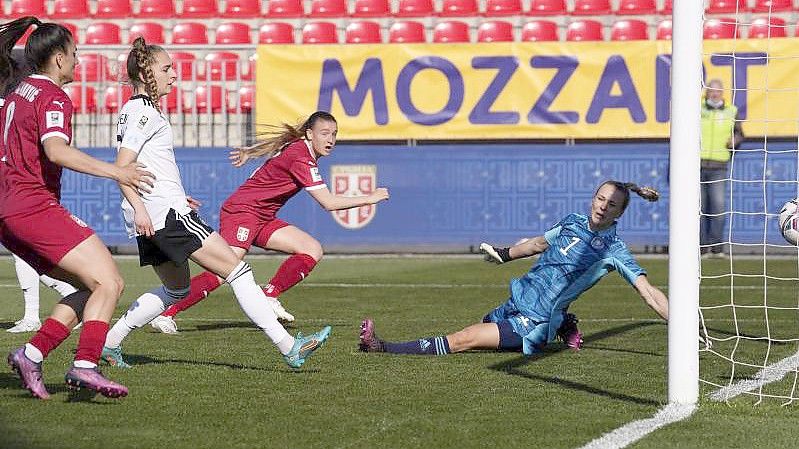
29	283
575	255
248	217
166	225
35	136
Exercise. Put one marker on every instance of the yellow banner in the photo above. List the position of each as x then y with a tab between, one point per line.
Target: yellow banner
518	90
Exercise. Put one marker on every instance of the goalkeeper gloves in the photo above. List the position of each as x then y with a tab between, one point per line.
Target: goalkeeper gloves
494	254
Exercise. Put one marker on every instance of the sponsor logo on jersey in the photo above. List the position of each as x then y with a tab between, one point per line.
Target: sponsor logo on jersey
242	233
80	222
142	122
123	118
354	180
55	119
60	104
597	243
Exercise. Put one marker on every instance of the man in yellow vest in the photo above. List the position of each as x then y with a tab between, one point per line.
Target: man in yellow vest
721	133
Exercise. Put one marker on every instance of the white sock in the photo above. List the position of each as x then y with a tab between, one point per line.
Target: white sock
63	288
29	283
285	345
141	312
33	353
83	364
253	302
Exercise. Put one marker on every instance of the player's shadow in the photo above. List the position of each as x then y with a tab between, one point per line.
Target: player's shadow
513	367
6	325
227	325
138	360
9	381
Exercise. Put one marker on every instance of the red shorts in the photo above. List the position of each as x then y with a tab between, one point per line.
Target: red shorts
43	237
242	229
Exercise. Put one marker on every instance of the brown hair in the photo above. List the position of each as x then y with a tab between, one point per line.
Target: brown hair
140	71
44	41
645	192
279	136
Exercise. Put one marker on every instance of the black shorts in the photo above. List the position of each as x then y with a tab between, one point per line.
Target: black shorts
180	238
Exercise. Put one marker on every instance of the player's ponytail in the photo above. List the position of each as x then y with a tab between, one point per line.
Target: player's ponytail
140	68
645	192
277	137
10	68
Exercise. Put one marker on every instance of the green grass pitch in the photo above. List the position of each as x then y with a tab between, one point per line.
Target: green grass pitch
221	384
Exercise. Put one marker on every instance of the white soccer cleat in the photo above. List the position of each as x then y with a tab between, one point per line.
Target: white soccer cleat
25	325
164	324
281	313
490	254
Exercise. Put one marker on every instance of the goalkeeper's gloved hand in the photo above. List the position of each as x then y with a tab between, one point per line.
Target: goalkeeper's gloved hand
494	254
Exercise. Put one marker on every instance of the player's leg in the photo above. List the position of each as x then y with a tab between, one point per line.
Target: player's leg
29	283
476	336
63	288
305	252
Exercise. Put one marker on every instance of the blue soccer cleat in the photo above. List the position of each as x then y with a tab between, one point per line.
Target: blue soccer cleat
305	346
113	357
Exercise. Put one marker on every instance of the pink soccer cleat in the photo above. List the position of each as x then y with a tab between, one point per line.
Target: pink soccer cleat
29	371
569	333
369	341
93	379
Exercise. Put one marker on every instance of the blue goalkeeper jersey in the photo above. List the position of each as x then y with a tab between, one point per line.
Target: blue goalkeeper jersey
577	258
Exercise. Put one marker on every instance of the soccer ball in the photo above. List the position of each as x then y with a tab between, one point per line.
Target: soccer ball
789	221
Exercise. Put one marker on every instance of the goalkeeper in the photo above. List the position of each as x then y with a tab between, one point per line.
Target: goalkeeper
575	255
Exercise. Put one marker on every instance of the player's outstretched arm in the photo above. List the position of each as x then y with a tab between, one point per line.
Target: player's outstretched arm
653	297
531	247
336	202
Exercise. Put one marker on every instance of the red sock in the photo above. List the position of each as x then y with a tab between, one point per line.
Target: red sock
51	334
292	271
201	286
91	341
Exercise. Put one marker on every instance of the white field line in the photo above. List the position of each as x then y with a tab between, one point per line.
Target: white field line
635	430
771	373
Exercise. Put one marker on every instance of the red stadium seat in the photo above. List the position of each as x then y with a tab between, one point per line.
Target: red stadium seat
495	31
116	69
113	9
83	98
207	99
363	32
162	9
591	7
70	9
726	6
246	99
245	9
328	8
222	65
722	28
585	30
629	30
285	8
547	8
320	33
101	33
152	32
199	9
667	7
540	30
415	8
190	33
450	31
406	32
500	8
21	8
459	8
763	28
773	6
91	67
116	96
252	64
664	30
371	8
170	102
233	33
184	63
636	7
276	33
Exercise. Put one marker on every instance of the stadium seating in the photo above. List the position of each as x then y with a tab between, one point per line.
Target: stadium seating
116	68
629	30
276	33
244	9
206	99
584	30
319	33
501	8
406	32
152	32
763	28
252	63
115	96
459	8
726	6
190	33
246	99
539	30
495	31
91	67
233	33
199	9
328	8
415	8
363	32
83	97
170	101
289	9
773	6
222	65
450	31
21	8
547	8
591	7
70	9
371	8
184	62
722	28
664	30
113	9
101	33
636	7
667	7
162	9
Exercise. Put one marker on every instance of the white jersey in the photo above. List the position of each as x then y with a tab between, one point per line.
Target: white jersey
141	128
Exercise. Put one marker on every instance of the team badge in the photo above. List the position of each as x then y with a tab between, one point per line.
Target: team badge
55	119
354	180
242	233
80	222
315	176
597	243
142	122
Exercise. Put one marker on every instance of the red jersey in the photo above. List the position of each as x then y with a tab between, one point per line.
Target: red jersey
37	110
276	181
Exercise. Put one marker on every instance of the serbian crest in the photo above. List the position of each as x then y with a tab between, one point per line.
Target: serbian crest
354	180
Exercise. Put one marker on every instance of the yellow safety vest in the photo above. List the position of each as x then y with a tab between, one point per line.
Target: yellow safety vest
717	130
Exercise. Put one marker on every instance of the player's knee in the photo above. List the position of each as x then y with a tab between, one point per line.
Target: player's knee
460	341
314	249
112	285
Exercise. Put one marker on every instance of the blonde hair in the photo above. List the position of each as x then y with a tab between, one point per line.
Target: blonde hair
140	68
275	138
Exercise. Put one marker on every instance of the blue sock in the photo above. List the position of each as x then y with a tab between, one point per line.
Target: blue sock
427	346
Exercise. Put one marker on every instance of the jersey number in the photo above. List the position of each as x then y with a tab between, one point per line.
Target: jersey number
9	116
565	251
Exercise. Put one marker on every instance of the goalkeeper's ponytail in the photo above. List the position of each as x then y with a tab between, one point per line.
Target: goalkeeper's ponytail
645	192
